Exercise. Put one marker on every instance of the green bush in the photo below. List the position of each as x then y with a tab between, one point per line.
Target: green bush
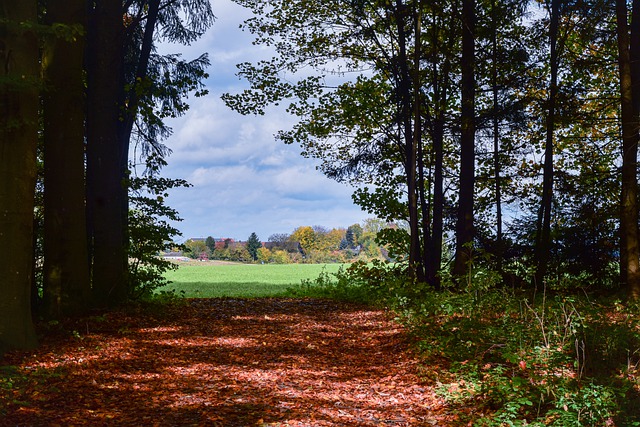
561	360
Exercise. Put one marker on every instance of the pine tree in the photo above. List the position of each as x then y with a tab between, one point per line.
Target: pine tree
211	244
253	244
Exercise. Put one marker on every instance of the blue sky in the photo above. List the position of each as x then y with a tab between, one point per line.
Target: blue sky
243	179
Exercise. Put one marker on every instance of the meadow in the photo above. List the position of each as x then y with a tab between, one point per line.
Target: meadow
214	280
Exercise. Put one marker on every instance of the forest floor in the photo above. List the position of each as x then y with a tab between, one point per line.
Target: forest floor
224	362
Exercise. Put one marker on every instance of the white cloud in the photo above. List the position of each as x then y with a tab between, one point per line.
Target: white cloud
243	179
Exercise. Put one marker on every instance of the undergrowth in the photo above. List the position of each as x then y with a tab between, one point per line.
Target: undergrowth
514	360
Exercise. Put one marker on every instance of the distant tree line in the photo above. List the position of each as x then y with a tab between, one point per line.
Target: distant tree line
306	244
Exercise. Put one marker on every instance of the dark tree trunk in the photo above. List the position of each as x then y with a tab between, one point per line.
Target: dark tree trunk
18	140
465	223
629	245
543	233
425	209
435	247
105	180
496	137
439	81
66	272
418	144
407	122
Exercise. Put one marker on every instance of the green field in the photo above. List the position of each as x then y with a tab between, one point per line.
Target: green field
211	280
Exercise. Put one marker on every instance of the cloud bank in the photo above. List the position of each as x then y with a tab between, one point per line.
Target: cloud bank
243	180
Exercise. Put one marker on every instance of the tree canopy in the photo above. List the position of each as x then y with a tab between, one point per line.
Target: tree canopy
498	122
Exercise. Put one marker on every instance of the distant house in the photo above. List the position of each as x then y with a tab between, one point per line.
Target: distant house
222	242
175	256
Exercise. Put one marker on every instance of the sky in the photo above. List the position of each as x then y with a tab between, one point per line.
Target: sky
243	180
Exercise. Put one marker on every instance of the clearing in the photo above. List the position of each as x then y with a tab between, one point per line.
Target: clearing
223	362
216	279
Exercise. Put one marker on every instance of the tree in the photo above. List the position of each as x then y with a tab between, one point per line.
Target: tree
150	232
529	101
306	237
211	244
264	255
349	239
105	179
353	235
154	85
238	252
130	91
508	60
195	248
18	139
543	233
66	285
465	223
279	238
628	57
253	244
330	241
373	225
365	130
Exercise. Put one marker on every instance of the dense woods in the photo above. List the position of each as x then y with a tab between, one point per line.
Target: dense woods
81	84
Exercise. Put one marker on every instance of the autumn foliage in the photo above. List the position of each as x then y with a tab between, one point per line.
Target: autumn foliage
222	362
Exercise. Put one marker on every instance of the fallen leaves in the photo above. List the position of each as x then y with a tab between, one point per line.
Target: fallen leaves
226	362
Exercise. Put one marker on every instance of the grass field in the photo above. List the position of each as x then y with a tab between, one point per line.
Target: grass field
213	280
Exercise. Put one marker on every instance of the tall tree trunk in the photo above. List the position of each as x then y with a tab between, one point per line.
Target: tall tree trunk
439	81
104	153
629	245
418	143
425	209
465	223
407	122
18	139
66	271
437	229
543	233
496	137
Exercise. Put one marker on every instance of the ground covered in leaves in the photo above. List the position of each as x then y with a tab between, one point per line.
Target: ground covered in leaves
223	362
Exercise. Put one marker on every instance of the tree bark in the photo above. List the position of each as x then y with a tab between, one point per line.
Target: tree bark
543	233
66	270
437	229
496	136
465	220
104	153
18	139
418	145
440	82
406	121
629	245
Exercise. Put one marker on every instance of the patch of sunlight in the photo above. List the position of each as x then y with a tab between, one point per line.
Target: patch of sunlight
161	329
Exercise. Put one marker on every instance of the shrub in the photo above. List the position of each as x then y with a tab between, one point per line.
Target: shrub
150	233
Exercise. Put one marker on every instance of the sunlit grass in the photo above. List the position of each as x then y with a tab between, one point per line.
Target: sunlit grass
241	280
